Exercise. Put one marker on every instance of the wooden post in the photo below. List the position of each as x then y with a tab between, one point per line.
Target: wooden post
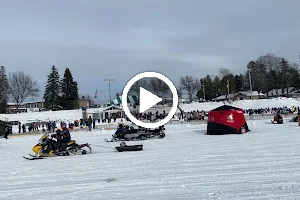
298	118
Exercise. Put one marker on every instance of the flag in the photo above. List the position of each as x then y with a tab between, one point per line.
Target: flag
95	97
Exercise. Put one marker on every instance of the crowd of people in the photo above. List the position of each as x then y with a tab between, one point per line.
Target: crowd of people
272	110
186	116
152	117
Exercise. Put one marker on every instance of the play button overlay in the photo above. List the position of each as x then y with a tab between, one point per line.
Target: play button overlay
148	100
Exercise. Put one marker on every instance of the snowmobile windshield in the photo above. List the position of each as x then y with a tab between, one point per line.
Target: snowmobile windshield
43	137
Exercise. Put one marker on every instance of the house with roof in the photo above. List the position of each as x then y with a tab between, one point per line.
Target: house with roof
241	95
224	97
106	112
286	92
248	95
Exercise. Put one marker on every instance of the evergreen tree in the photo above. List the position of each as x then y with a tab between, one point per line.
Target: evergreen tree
238	83
208	88
224	81
216	87
283	75
69	89
201	90
52	89
3	90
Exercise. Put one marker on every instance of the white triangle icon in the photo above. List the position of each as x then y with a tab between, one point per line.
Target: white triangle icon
147	100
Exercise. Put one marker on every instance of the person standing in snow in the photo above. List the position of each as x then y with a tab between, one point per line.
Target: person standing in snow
19	127
53	126
94	123
23	128
89	123
7	130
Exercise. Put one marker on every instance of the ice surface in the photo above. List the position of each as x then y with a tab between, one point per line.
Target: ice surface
186	164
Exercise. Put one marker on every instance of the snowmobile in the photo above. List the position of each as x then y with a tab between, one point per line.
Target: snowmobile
277	119
47	147
137	133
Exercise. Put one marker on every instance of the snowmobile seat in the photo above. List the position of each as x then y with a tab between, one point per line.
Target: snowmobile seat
130	131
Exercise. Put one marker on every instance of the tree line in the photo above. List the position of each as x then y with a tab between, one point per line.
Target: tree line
60	93
267	72
17	86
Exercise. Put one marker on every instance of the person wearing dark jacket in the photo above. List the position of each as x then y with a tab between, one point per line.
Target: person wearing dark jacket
6	130
63	138
120	131
89	123
278	119
94	123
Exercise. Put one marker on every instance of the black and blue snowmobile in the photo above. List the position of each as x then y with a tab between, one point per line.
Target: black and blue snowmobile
129	133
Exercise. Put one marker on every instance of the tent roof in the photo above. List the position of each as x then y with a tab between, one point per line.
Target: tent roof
225	107
118	100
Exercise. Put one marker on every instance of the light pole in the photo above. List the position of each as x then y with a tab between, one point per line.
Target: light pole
203	92
109	80
249	73
228	90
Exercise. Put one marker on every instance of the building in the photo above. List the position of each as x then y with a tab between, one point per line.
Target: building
240	96
295	94
286	92
83	103
25	107
106	112
36	104
248	95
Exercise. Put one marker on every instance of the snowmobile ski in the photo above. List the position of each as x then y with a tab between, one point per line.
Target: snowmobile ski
32	158
106	140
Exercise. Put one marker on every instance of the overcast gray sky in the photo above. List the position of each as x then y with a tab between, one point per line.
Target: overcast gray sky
117	39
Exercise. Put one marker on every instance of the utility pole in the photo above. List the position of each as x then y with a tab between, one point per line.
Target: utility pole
96	97
228	89
33	104
203	92
109	80
249	73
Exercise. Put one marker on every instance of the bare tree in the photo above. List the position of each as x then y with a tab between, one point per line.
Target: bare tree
90	99
190	84
21	86
294	66
179	92
224	72
158	86
271	61
135	88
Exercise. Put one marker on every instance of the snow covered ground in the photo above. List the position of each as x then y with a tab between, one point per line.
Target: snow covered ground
187	164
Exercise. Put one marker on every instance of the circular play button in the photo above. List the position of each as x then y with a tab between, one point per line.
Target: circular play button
147	99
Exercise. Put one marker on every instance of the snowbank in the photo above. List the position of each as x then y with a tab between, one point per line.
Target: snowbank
244	104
